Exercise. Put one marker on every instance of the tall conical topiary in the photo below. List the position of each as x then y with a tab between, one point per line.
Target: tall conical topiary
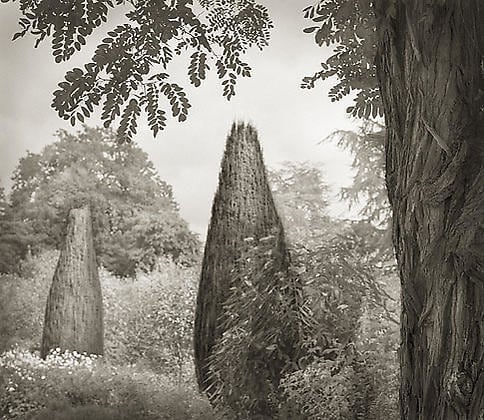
74	313
243	208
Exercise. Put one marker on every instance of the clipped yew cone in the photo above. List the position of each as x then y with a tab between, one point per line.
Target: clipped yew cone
74	313
243	208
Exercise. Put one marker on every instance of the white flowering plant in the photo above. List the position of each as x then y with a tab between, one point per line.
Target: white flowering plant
69	381
30	382
148	320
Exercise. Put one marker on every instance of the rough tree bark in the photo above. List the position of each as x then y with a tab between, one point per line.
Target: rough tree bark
430	72
74	313
243	207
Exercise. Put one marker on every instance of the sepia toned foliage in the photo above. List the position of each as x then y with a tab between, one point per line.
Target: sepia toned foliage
420	63
149	320
265	323
74	310
368	187
350	27
135	217
301	198
129	71
368	192
15	237
22	301
70	385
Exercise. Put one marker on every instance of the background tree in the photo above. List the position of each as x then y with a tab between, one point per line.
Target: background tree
74	312
430	72
368	187
350	289
135	217
243	209
362	263
368	190
14	237
301	197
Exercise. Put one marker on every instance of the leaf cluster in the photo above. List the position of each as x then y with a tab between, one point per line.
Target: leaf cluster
321	390
341	278
349	26
128	73
264	322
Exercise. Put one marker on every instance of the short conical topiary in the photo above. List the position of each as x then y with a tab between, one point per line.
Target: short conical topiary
74	313
243	208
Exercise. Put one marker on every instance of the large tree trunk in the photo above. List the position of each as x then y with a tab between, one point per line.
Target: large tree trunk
431	79
74	313
243	207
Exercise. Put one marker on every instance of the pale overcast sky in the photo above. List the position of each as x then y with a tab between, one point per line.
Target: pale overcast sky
291	121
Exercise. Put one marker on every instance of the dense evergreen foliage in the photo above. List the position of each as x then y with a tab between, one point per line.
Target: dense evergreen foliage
243	210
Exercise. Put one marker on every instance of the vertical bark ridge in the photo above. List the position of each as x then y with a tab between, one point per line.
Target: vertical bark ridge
429	65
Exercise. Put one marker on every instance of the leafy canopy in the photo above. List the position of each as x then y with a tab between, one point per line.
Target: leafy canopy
350	26
135	217
128	73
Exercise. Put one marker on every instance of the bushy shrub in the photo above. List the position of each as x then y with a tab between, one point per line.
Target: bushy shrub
22	301
376	387
350	386
65	382
322	390
149	321
352	308
377	378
